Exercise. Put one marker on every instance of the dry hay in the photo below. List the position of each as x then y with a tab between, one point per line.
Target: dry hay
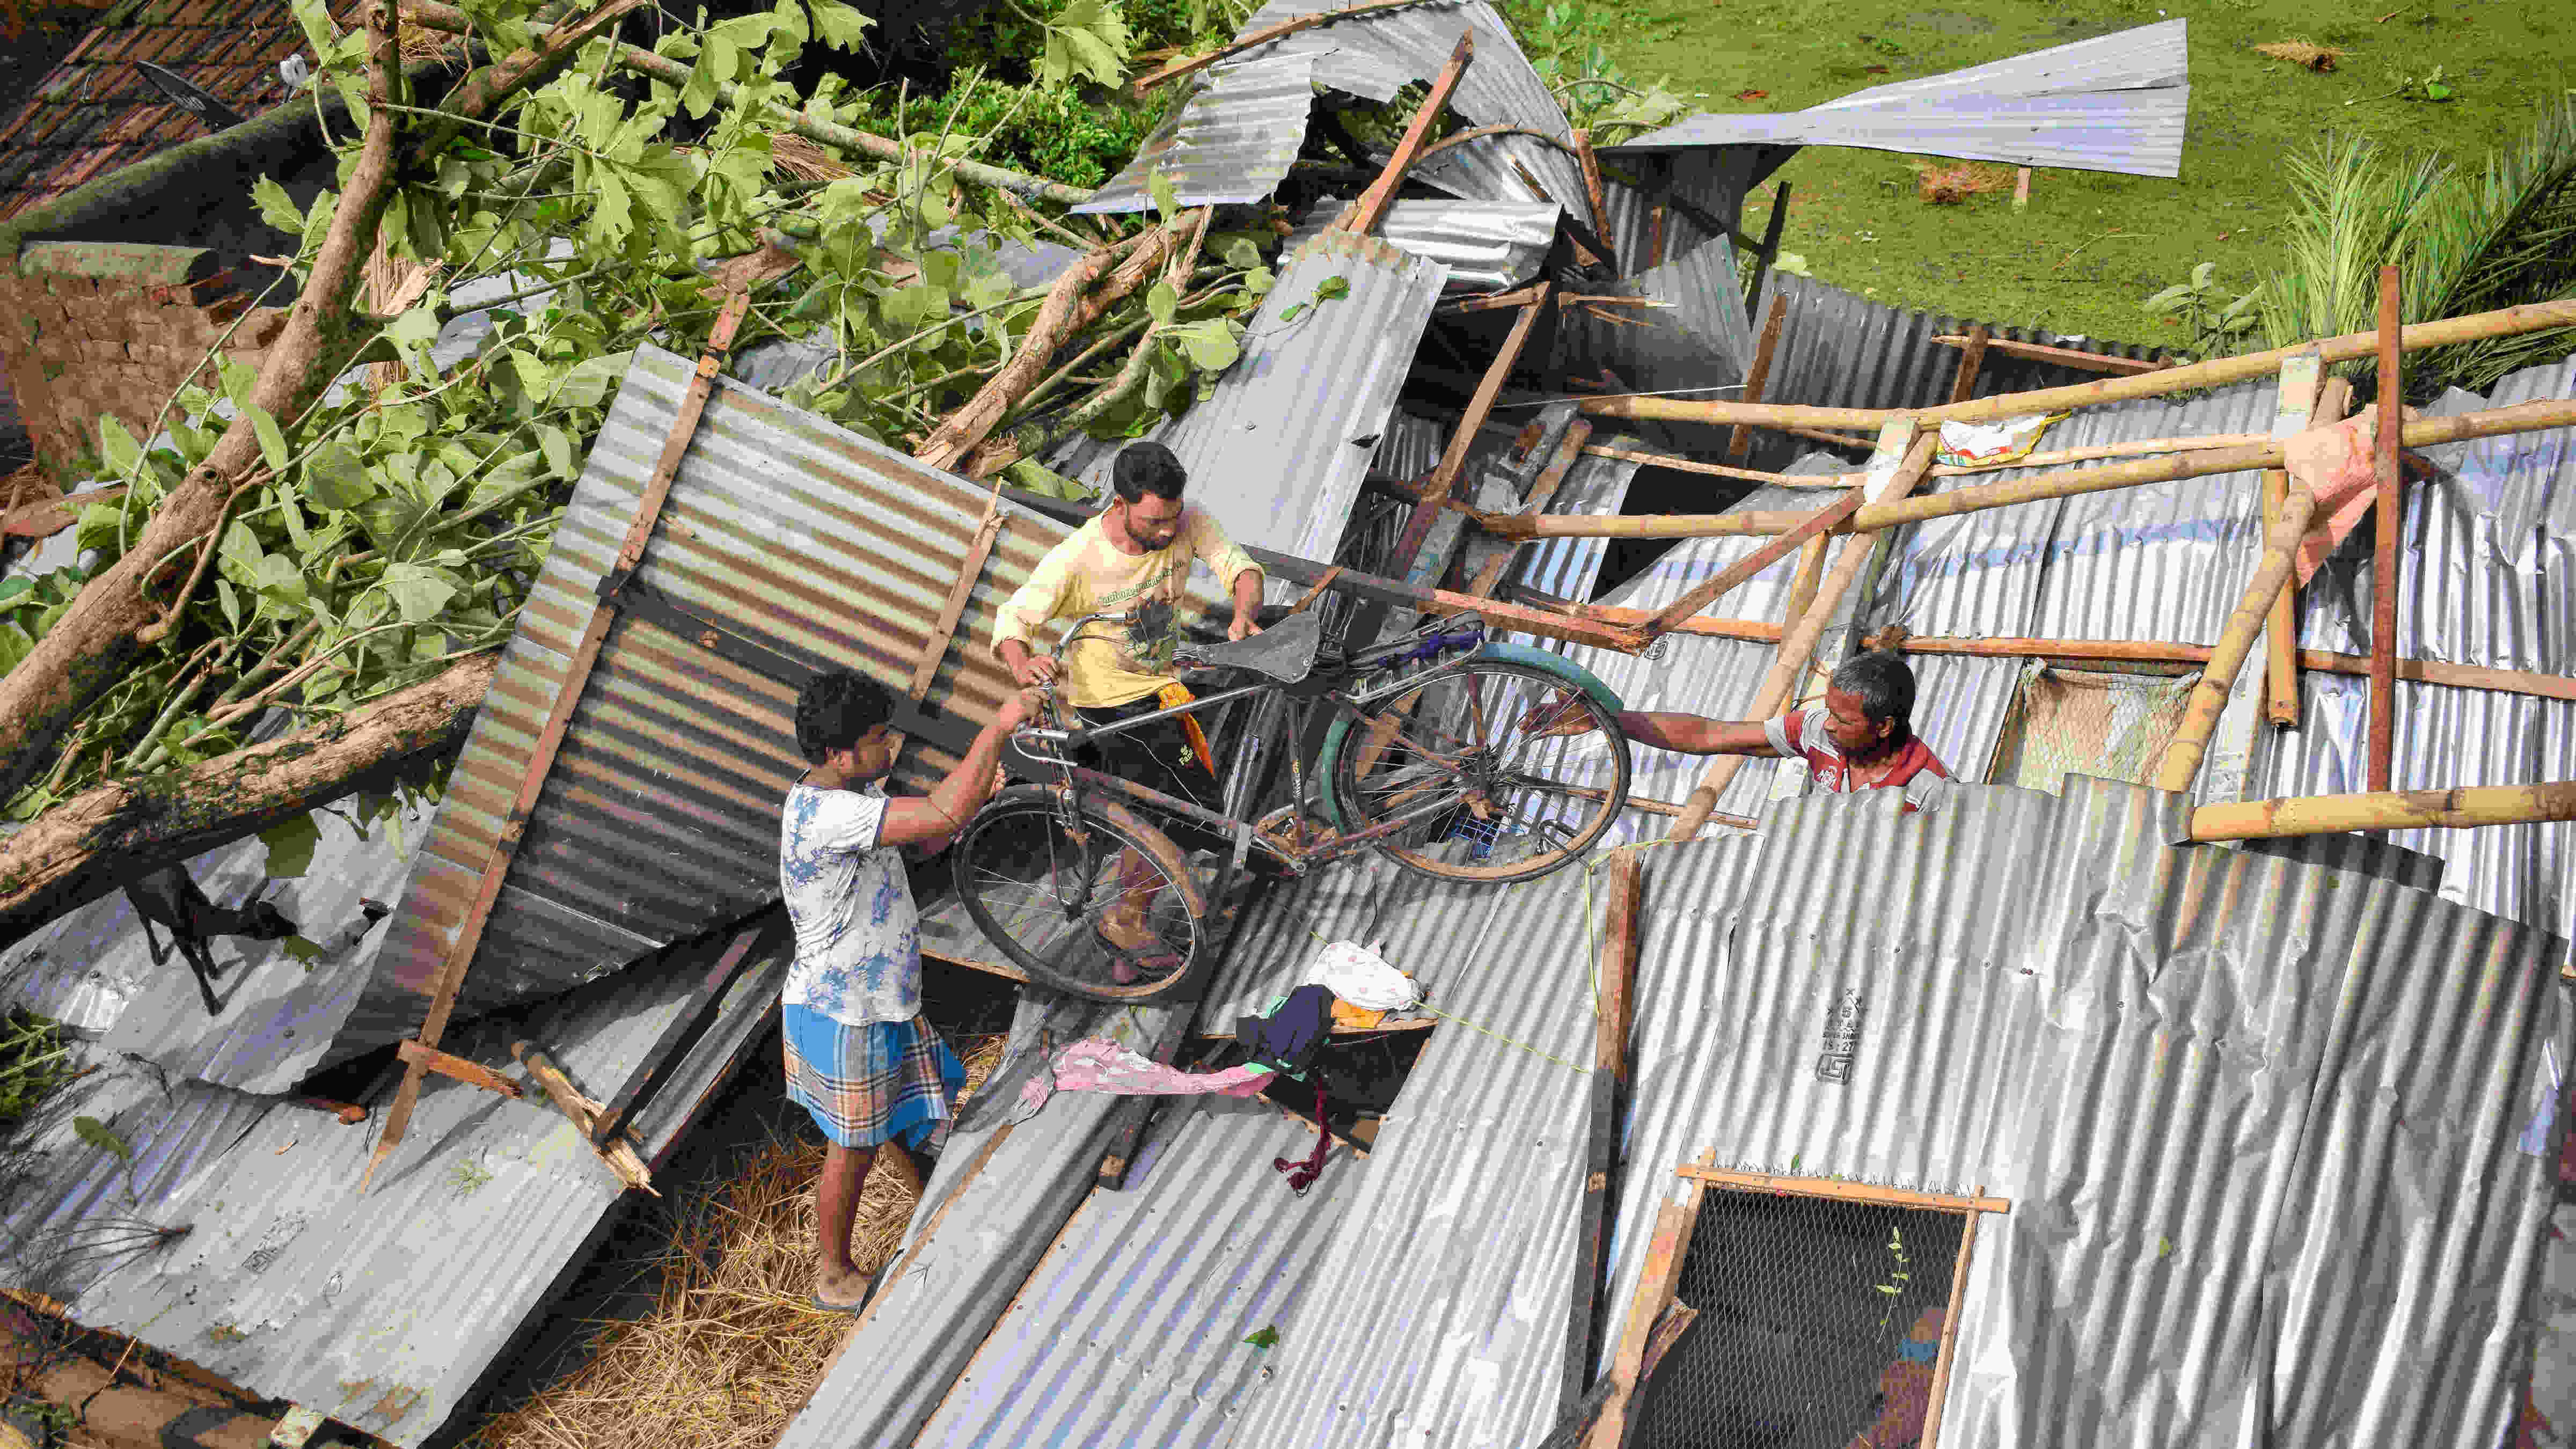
420	45
802	159
732	1344
27	485
1947	183
2302	53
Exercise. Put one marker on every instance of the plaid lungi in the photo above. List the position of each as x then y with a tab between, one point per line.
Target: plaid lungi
864	1084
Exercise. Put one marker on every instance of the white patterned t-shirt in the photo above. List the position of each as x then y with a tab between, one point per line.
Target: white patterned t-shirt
858	938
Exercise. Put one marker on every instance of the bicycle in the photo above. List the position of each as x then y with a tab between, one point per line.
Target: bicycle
1436	754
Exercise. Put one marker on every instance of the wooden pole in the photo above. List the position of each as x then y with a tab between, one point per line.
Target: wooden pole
2041	352
1745	568
2209	696
2459	809
1756	523
1444	476
2414	671
1625	881
1365	213
1770	252
1905	451
2504	322
1740	441
2296	406
1593	193
2140	448
2383	558
1810	575
1675	1221
1941	1361
1972	360
1840	1191
1716	470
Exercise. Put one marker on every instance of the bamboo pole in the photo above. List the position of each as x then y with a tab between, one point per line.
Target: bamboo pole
2143	447
1614	982
2459	809
2299	378
2209	696
1363	215
1714	470
2504	322
1972	360
1754	523
1594	195
1444	475
1705	594
2062	356
1948	1352
1811	574
2414	671
1758	381
1901	441
2383	556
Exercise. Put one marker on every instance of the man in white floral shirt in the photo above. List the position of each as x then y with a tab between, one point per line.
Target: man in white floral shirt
860	1058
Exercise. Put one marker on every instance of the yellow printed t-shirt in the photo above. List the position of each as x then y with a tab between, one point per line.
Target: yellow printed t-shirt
1086	574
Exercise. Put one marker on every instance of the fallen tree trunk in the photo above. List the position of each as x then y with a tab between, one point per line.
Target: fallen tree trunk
86	845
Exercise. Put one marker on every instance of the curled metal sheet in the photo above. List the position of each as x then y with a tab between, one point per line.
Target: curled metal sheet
1487	246
1230	142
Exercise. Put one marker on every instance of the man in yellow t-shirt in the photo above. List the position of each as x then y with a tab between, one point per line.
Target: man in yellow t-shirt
1138	550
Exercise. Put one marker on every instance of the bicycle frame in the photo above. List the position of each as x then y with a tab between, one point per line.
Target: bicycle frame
1075	778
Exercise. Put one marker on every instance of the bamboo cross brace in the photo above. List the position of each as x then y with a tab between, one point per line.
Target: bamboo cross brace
1947	1353
2503	322
1364	214
2300	379
549	742
1747	567
1905	457
2458	809
1675	1222
2209	696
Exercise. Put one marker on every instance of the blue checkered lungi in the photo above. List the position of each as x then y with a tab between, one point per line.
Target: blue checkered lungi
865	1084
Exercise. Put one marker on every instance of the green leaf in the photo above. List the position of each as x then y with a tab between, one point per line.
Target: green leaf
15	644
558	450
335	477
1240	253
302	949
276	207
1332	288
241	553
419	592
1211	345
415	328
1166	200
97	1134
842	27
117	447
2164	1247
1161	302
281	578
699	96
272	442
2201	275
290	845
1264	1337
229	602
1289	313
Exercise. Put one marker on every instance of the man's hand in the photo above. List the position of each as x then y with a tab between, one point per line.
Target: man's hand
1018	709
1035	669
1242	627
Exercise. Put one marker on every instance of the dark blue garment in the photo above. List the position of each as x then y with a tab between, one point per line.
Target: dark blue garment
1289	1035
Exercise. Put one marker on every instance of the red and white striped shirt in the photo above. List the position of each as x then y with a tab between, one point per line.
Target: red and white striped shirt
1809	736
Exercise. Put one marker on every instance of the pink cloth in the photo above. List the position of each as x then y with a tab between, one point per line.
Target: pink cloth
2336	465
1097	1064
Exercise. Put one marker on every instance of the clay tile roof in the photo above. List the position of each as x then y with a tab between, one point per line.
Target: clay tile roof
95	111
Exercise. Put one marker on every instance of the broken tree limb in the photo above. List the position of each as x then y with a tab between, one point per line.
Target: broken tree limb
1364	214
1132	376
1263	36
1054	323
1751	564
2209	696
1904	452
86	648
80	847
2383	554
430	15
2504	322
2459	809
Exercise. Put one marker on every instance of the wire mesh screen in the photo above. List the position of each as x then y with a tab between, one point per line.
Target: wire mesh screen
1818	1321
2086	722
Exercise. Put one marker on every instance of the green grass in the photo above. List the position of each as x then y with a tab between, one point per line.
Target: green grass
2091	246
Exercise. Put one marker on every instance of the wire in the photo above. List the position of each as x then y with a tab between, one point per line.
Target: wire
1606	396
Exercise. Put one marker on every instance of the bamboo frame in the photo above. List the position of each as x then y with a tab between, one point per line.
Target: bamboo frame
1674	1223
2300	377
2458	809
1569	450
1615	981
1444	476
1715	470
2062	356
2208	697
2383	559
2504	322
1840	1191
1972	361
1705	594
1940	1395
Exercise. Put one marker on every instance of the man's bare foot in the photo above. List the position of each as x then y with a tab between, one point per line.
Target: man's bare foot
838	1290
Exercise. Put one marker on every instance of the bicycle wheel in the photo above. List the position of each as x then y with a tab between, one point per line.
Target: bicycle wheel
1045	890
1483	798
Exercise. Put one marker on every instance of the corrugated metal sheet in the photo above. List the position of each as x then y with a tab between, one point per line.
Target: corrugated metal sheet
2113	103
1231	141
1487	246
1694	338
1407	448
1436	1315
1134	1329
1278	448
2256	1151
1565	568
659	817
386	1311
92	968
1839	349
998	1198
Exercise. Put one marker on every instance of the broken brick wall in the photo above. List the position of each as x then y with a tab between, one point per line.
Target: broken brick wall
92	329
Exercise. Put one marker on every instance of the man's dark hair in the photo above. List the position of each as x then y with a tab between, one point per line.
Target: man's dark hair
1147	467
835	708
1884	685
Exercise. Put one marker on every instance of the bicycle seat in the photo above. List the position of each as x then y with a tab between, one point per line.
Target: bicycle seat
1285	651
